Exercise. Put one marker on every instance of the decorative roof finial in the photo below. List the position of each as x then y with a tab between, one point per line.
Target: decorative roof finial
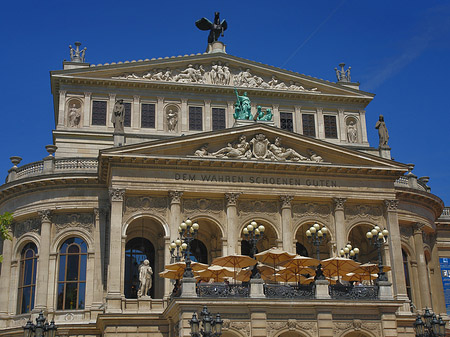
343	75
77	55
216	29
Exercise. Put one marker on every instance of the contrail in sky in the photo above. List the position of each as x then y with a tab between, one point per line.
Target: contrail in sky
313	33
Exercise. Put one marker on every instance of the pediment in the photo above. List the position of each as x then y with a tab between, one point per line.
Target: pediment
257	143
217	70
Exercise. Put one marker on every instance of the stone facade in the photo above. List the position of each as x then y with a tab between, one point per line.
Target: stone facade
111	198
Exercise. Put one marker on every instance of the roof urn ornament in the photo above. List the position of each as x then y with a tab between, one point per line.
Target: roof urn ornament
215	28
77	55
343	75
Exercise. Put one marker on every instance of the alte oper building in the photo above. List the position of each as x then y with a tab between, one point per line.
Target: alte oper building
141	146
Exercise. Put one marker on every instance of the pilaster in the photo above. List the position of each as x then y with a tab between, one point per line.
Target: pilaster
342	128
286	222
229	114
136	113
276	115
159	117
97	286
184	115
298	119
421	267
320	128
339	222
232	221
112	102
5	277
87	109
362	117
174	221
207	116
43	261
62	108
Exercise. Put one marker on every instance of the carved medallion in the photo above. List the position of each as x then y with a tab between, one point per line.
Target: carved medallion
77	220
260	144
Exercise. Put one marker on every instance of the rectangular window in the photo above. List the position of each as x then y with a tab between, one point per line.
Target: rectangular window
330	126
195	118
148	116
309	126
99	112
127	117
286	122
218	118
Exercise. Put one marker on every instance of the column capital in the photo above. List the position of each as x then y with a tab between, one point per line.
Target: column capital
339	203
116	194
136	97
319	109
207	101
175	197
391	205
184	100
232	198
286	201
87	94
45	215
62	93
417	228
112	96
160	99
341	110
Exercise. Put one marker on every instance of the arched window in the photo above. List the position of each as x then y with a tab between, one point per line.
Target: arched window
136	251
72	274
199	252
407	278
27	278
300	249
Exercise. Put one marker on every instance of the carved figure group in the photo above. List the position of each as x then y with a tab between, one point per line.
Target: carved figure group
191	75
77	55
74	116
382	132
220	74
343	75
263	115
118	116
258	147
172	120
145	278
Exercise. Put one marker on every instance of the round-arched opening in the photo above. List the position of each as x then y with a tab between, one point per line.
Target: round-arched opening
136	251
356	334
268	240
291	334
207	245
199	252
357	238
306	247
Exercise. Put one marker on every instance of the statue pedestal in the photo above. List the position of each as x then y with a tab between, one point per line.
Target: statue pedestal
257	288
384	290
245	122
119	139
322	289
188	287
216	47
385	152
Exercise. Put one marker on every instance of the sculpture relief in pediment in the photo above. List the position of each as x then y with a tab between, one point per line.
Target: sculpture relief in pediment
76	220
363	212
259	147
217	73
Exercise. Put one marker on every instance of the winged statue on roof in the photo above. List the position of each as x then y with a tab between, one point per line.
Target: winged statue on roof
215	28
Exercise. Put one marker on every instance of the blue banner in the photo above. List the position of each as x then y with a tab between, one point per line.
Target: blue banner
445	271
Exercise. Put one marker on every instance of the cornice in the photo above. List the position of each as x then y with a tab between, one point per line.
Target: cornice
422	198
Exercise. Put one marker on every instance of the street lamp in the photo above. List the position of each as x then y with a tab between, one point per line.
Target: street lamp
40	329
316	236
188	231
176	251
210	327
378	237
349	252
432	327
253	233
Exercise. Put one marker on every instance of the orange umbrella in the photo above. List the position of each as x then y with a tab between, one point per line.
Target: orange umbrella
172	274
358	277
296	273
234	261
274	256
216	272
196	266
338	266
244	275
300	261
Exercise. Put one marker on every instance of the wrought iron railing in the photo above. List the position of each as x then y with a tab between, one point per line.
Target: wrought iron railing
305	291
343	292
222	290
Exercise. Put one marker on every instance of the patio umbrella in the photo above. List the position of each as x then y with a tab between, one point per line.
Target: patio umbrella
172	274
216	272
358	277
296	273
196	266
338	266
274	256
244	275
370	269
300	262
234	261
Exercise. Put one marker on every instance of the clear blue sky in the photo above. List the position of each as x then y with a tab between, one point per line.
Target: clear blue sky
398	50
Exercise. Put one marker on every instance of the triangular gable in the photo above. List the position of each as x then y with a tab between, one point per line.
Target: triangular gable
218	70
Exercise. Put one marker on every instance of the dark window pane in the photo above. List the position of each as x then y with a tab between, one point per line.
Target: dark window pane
330	126
73	249
26	303
72	267
127	117
99	112
81	294
32	297
148	116
29	253
62	268
28	272
286	122
195	118
60	296
71	295
83	259
309	127
218	118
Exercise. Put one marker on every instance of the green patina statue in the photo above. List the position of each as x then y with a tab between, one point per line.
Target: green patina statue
242	107
263	115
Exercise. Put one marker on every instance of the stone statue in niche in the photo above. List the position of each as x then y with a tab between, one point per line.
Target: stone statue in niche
352	132
172	120
118	116
74	116
145	278
281	153
382	132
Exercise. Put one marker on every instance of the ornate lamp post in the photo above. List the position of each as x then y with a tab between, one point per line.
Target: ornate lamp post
176	251
378	237
253	233
210	327
431	327
316	235
40	329
188	231
349	252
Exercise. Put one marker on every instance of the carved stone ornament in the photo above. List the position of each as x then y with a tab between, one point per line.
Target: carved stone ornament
286	200
406	231
274	327
258	206
363	211
144	203
45	215
175	196
116	194
232	198
204	205
311	210
340	328
27	226
260	148
339	203
242	327
391	205
217	73
78	220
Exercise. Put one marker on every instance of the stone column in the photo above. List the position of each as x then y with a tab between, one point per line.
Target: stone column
5	277
174	221
298	119
286	223
98	286
159	115
395	249
136	113
230	112
362	126
342	128
414	279
339	223
207	116
87	109
62	108
115	243
112	101
421	267
232	221
320	126
184	115
43	262
276	115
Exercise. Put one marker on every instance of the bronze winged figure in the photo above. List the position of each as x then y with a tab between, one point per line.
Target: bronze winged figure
215	29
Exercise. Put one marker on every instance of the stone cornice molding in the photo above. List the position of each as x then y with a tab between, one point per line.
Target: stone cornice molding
232	198
339	203
391	205
116	194
175	197
45	215
286	201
